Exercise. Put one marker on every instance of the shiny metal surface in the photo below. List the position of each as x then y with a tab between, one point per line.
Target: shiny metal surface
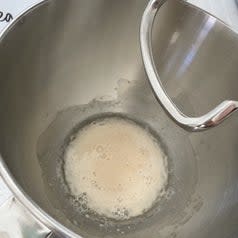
212	118
69	60
16	222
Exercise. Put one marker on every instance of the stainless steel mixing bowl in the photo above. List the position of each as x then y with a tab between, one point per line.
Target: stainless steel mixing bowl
69	61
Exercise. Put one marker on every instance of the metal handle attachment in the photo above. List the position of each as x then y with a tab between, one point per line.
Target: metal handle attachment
212	118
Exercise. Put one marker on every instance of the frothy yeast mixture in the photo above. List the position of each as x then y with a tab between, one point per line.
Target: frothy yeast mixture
118	167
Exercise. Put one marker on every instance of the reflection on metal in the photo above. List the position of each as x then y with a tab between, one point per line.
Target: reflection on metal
5	193
204	30
212	118
15	222
64	68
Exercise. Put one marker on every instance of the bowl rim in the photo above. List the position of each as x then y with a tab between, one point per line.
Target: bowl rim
33	208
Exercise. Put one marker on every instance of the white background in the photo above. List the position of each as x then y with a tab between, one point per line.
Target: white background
226	10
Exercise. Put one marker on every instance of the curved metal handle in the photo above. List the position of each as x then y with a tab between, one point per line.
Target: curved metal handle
212	118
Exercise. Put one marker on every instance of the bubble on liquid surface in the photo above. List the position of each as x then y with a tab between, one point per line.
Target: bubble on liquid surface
116	167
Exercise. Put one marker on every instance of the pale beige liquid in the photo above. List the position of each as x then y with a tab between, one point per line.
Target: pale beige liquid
118	166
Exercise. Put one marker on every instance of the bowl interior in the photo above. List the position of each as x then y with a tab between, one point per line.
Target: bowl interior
70	61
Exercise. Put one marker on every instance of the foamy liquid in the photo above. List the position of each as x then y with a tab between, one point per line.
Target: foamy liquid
117	167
